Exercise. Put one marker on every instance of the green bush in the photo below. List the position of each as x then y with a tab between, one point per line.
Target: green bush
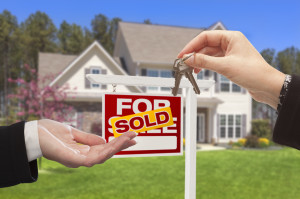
237	144
261	128
263	145
252	141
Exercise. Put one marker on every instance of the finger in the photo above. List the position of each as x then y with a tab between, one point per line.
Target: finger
120	143
197	70
212	51
199	60
216	38
99	154
87	138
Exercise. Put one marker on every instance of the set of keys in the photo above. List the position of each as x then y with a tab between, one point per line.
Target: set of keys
180	69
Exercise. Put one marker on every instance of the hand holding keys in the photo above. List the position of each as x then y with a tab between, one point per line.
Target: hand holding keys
181	69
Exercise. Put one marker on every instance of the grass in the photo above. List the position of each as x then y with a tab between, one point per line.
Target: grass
220	174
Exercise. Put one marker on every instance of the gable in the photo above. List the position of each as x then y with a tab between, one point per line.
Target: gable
94	56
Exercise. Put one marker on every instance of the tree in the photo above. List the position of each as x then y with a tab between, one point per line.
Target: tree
71	38
88	37
63	35
147	21
36	102
9	53
288	60
269	55
113	28
100	26
39	35
105	30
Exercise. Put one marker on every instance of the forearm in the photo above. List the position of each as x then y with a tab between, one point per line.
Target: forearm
14	167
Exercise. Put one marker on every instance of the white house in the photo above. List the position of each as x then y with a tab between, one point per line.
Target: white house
224	111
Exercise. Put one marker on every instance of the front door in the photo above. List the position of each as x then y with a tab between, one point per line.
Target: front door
200	127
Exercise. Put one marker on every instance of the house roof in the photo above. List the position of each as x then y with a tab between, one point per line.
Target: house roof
156	43
59	65
53	64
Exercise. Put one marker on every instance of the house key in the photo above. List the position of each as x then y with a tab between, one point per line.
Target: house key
181	69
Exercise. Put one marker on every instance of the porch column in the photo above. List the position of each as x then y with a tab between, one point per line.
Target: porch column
214	126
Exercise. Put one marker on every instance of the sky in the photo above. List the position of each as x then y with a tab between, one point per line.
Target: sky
266	23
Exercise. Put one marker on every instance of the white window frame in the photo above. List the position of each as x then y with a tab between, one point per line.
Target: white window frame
231	84
158	89
95	86
234	126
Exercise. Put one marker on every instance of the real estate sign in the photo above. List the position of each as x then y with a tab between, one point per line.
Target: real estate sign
156	119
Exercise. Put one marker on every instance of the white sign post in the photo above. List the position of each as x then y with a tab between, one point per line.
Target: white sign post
190	121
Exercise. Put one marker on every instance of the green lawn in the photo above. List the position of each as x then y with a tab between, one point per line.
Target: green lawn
220	174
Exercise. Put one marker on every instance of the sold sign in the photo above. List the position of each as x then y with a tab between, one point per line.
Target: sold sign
141	122
156	119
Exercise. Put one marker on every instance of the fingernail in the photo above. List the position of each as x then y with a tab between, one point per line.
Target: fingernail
190	60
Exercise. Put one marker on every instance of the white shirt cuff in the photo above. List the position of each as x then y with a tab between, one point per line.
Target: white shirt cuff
32	140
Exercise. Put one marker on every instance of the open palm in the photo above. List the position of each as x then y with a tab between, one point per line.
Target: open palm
73	148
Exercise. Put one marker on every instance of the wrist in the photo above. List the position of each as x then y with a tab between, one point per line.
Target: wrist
272	87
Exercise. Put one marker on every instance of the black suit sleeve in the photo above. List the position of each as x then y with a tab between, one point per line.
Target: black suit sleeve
287	127
14	165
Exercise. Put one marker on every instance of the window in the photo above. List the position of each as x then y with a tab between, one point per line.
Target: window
230	126
228	86
95	70
203	74
159	73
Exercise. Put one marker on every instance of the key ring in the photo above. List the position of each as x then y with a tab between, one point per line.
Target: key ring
114	87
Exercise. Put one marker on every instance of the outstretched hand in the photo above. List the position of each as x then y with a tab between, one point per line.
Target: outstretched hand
232	55
73	148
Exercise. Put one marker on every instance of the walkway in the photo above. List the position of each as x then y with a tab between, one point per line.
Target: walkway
209	147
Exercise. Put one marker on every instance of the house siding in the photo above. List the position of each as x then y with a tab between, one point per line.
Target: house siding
76	76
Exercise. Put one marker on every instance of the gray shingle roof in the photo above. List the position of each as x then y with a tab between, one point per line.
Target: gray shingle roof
156	43
53	64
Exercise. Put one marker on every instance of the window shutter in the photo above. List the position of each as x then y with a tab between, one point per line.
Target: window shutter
217	85
144	72
218	126
87	82
244	125
103	72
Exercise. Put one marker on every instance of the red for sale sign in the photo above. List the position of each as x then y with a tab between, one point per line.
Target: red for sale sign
156	119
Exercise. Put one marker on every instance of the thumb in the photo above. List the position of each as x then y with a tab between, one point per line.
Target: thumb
199	60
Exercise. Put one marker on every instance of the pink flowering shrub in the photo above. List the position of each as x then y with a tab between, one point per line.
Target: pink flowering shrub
35	101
